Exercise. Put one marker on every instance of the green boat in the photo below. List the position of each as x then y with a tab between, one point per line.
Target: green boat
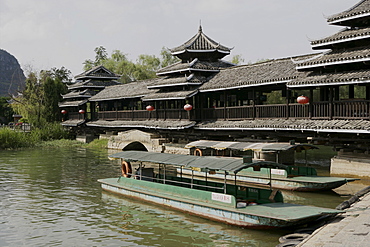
226	202
282	174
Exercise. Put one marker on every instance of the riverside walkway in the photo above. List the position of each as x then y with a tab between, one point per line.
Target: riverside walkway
351	228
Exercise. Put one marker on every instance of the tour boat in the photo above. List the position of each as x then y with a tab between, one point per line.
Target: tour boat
282	174
225	202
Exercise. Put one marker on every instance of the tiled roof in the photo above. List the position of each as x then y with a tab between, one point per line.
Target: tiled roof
270	72
177	81
70	103
149	124
195	65
169	95
200	42
79	94
335	57
360	10
122	91
345	35
92	83
73	122
344	126
339	78
98	72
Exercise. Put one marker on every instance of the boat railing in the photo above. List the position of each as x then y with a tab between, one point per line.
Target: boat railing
190	183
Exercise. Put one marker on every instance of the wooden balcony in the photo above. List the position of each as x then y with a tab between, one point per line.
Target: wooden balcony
346	109
143	114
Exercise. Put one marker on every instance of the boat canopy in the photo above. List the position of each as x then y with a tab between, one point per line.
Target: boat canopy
255	146
190	161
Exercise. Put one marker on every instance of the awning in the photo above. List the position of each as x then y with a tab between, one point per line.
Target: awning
190	161
207	162
243	146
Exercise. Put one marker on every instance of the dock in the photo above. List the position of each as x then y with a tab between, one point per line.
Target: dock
351	228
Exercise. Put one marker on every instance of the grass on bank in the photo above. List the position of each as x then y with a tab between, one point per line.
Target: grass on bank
51	135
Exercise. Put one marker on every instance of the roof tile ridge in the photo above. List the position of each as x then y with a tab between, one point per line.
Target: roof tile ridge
193	39
311	58
336	16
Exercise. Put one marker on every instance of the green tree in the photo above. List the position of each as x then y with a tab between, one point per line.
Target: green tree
6	111
167	58
39	100
144	68
237	59
52	90
31	102
101	55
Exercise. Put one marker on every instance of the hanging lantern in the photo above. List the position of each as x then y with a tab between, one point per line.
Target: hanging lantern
64	112
303	100
150	108
81	111
188	107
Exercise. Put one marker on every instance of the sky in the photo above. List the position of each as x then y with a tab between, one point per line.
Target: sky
43	34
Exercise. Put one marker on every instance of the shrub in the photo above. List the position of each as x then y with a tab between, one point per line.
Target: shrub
14	139
17	139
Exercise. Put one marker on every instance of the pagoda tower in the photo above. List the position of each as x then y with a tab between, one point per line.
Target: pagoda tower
345	63
200	58
75	103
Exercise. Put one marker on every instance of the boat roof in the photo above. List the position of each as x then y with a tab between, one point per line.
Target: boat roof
190	161
243	146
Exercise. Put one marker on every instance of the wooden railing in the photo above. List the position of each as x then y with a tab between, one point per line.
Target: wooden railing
351	109
143	114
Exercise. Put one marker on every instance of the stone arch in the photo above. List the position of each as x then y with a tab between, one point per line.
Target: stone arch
137	146
136	140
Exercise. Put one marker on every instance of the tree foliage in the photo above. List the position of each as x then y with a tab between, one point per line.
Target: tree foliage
237	59
145	66
39	100
6	111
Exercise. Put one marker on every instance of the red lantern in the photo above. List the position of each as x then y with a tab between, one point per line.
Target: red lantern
64	112
149	108
303	100
81	111
188	107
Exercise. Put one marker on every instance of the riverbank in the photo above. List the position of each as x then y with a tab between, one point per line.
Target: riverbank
351	228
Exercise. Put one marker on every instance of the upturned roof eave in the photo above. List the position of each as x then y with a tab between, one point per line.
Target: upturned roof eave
187	69
324	44
76	96
175	84
244	86
199	51
171	97
332	63
337	21
321	84
98	77
117	98
85	86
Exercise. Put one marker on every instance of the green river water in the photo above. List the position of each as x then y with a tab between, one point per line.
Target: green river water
51	197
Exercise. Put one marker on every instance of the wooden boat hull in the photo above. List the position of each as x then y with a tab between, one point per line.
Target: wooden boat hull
300	183
215	206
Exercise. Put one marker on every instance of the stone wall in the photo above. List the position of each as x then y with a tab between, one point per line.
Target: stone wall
354	166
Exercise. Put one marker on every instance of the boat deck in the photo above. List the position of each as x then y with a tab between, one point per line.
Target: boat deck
279	211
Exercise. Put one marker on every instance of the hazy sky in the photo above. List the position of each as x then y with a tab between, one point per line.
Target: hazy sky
55	33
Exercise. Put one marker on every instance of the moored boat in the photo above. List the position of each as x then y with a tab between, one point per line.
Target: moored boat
280	177
285	175
226	202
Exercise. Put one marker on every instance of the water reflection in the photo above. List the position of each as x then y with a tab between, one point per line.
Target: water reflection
52	198
189	230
